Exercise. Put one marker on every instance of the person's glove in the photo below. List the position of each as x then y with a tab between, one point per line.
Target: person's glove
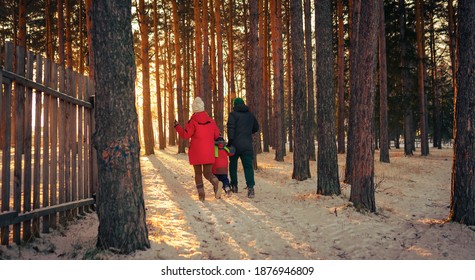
175	123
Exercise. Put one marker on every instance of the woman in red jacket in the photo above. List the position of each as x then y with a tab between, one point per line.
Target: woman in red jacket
202	130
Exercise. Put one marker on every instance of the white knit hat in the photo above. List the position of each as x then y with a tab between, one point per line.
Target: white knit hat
198	105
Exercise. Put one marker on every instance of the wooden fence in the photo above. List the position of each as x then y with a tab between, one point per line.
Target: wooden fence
46	121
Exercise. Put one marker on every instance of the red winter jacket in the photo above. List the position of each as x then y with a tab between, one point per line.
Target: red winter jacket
221	163
202	130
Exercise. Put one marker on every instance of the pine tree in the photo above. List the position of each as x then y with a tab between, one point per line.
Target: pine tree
120	203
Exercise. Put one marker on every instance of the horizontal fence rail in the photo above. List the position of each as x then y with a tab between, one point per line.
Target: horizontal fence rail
46	156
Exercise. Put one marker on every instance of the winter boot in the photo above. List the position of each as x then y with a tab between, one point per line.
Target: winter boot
227	189
234	188
250	191
218	188
201	192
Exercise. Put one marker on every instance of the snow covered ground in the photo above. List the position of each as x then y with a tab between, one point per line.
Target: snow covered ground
286	219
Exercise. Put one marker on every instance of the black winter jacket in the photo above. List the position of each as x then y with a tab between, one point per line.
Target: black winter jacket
241	125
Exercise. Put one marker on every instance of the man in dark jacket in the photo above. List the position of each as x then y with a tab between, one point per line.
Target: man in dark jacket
241	125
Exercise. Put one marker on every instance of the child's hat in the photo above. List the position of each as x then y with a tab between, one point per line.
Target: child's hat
219	142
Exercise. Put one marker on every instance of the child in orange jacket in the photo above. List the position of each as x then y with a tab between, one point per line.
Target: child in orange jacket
221	163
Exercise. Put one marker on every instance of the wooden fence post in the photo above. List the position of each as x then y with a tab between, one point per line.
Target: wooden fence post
40	133
46	143
6	157
54	145
19	121
80	143
27	147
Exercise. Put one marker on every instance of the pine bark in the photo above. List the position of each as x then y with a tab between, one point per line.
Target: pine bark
160	115
421	77
254	71
301	168
22	23
341	80
147	126
264	53
351	117
408	117
278	67
172	135
311	124
212	59
68	36
289	80
383	89
327	165
229	30
120	203
363	64
89	25
436	139
81	37
179	82
206	94
199	49
462	202
219	116
49	30
452	43
61	43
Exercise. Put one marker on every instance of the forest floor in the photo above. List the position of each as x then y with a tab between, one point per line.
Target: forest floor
286	219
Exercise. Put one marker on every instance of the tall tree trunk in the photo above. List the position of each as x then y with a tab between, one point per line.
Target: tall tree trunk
61	43
219	116
68	38
49	30
264	53
172	136
199	49
421	77
166	66
255	71
363	64
311	125
408	117
89	25
81	37
278	67
212	59
206	85
187	38
289	80
452	43
120	203
341	80
232	84
462	201
22	5
349	153
434	82
301	170
327	167
160	115
147	126
247	62
179	86
383	88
